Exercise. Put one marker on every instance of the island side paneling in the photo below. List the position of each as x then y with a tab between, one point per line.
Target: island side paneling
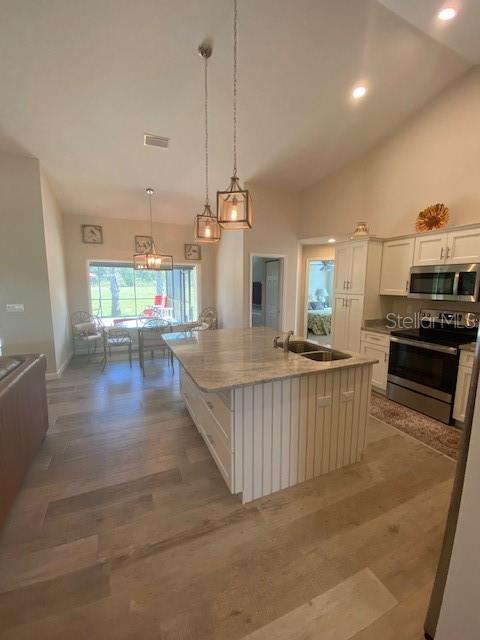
285	431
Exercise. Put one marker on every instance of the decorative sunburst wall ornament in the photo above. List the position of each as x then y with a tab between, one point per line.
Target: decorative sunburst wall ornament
433	217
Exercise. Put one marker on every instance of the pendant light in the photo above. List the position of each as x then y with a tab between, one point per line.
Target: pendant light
151	260
207	229
234	209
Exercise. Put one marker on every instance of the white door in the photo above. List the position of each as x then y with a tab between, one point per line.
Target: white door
397	258
272	294
380	370
354	322
463	246
358	268
339	322
343	264
430	249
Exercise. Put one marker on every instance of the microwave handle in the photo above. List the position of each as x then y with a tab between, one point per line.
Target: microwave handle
456	281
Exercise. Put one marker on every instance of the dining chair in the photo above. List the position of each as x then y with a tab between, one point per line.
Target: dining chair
88	330
150	338
119	338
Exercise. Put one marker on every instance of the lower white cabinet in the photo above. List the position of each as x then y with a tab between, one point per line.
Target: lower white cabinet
376	345
464	378
347	322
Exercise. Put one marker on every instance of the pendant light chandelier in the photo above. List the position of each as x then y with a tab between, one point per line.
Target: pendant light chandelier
151	260
207	229
234	210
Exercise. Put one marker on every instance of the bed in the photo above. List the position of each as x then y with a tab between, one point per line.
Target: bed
319	321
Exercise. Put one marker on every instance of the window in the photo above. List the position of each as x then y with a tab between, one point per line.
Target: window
118	291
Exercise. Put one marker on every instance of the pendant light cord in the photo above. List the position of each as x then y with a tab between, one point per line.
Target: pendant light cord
150	208
206	128
235	44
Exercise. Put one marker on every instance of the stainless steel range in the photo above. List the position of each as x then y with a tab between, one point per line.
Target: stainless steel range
423	363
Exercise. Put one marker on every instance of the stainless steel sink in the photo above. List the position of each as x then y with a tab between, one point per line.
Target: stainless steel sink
303	346
325	355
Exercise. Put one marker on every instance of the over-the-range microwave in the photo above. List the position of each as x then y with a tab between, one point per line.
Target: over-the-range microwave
446	282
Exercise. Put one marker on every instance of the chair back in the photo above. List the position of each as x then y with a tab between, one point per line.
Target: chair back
209	317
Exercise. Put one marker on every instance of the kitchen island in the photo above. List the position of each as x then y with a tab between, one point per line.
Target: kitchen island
270	418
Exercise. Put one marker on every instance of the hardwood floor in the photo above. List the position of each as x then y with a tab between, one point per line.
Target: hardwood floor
125	529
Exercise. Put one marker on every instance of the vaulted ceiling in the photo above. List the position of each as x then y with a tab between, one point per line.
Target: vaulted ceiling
82	81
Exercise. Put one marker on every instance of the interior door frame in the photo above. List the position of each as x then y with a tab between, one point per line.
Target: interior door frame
307	287
281	297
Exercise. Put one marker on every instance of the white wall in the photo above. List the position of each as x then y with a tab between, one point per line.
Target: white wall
460	613
55	253
119	244
433	157
23	261
231	275
274	233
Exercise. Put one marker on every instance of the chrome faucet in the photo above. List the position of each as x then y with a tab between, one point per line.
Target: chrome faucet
285	342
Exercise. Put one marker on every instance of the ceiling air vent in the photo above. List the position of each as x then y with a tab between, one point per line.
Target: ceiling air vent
151	140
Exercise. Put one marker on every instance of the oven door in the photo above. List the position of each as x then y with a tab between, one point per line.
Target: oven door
445	282
429	369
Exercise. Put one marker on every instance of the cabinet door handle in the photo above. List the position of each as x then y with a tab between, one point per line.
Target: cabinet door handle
385	356
447	253
406	285
348	284
441	253
344	284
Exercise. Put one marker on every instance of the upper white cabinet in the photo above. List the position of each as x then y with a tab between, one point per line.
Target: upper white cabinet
430	249
455	247
463	246
397	259
351	267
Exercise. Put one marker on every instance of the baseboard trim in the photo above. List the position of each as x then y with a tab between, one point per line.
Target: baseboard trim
57	374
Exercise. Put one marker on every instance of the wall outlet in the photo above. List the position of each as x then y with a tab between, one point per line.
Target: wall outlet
16	308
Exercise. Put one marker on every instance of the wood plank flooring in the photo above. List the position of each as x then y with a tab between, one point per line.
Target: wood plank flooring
124	529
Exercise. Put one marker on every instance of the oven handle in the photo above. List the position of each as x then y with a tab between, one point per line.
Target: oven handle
425	345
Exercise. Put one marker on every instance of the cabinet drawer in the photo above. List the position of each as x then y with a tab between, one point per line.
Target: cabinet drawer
216	403
467	358
217	443
376	338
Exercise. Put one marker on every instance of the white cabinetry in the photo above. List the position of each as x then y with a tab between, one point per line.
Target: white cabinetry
351	267
430	249
376	345
464	379
348	311
463	246
397	258
455	247
357	280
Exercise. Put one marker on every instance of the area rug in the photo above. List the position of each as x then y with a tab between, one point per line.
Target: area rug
436	434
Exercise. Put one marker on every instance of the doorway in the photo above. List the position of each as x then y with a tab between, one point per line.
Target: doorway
318	300
266	291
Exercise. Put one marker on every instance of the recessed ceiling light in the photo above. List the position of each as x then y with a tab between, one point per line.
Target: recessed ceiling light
331	240
359	91
447	13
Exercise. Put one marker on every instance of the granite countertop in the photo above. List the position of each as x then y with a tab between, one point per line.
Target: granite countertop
378	326
468	347
227	358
